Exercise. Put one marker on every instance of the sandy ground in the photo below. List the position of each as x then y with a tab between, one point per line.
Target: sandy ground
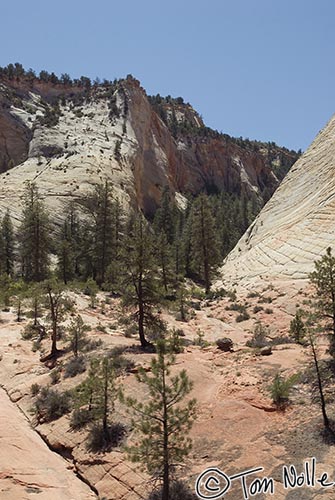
237	426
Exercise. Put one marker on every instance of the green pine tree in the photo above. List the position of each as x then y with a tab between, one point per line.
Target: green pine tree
59	305
35	241
164	220
163	253
76	335
98	393
7	244
177	247
297	327
19	292
103	230
321	377
162	421
74	231
117	233
204	243
6	284
35	295
140	286
323	279
66	265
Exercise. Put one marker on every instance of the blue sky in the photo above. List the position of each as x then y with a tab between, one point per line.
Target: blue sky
262	69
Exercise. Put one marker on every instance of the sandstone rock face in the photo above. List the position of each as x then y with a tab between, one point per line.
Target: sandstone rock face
297	225
14	134
129	145
28	467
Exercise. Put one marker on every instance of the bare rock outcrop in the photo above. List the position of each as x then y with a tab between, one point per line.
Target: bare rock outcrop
297	225
66	139
28	467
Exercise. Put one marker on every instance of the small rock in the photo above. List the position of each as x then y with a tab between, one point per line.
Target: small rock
266	351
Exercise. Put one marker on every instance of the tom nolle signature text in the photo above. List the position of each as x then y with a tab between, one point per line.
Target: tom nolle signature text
214	484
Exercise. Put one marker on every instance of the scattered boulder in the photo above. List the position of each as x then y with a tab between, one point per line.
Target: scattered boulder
225	344
266	351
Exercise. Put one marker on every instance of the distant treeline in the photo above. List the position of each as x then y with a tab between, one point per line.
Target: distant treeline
17	71
95	236
166	108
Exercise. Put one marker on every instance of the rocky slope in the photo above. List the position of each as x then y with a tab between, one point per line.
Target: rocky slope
232	390
27	466
297	225
66	137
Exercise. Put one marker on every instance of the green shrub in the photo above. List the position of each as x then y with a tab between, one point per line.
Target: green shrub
51	404
80	418
36	346
100	440
198	293
297	328
91	345
176	342
280	389
75	366
268	310
200	340
179	490
257	309
131	330
232	295
281	340
236	307
121	363
91	289
242	317
30	331
217	294
258	339
252	295
35	389
55	376
101	328
264	300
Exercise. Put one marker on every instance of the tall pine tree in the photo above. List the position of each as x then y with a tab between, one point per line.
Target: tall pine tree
164	216
323	279
139	275
34	236
70	246
7	245
204	242
162	421
102	230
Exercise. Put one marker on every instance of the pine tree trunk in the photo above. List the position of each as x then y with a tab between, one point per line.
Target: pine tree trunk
144	342
105	408
35	311
166	476
64	267
54	339
18	319
207	279
75	346
164	275
322	398
205	251
177	260
37	273
54	324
